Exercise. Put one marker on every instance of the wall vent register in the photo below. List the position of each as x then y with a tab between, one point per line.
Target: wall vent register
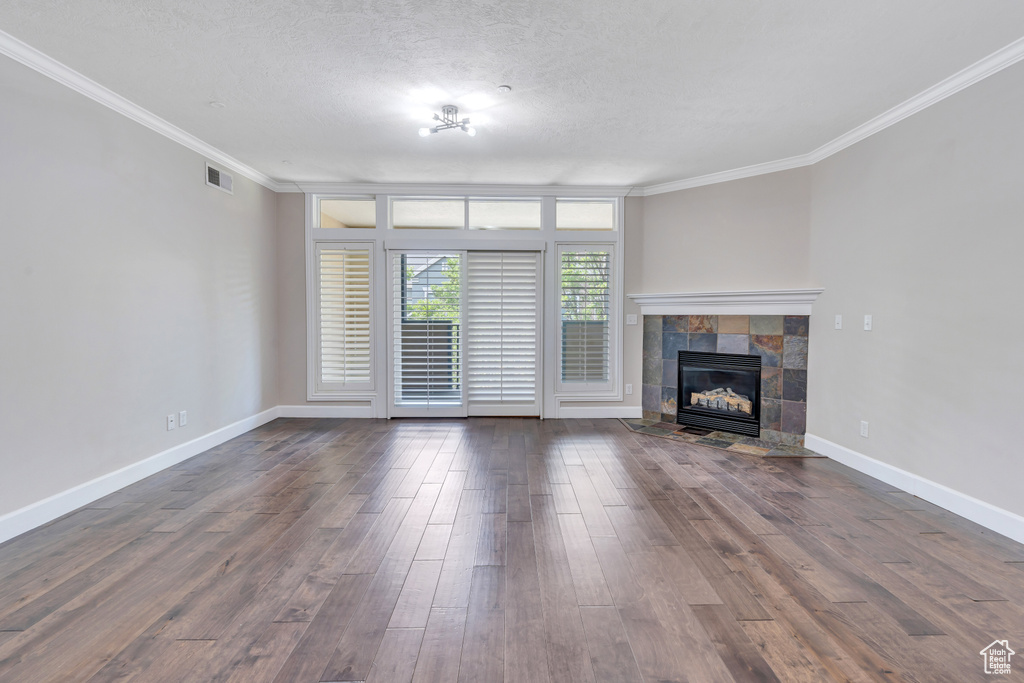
219	179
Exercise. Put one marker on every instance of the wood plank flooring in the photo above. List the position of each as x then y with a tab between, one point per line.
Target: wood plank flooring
504	549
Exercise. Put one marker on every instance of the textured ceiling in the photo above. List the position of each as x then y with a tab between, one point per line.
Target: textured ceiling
604	91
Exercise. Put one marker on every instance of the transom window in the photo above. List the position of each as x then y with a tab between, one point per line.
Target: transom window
585	214
464	213
504	214
429	214
348	213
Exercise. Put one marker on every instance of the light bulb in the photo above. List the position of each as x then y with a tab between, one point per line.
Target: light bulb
471	132
424	132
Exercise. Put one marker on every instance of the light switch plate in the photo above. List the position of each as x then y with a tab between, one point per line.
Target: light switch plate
839	322
631	318
867	323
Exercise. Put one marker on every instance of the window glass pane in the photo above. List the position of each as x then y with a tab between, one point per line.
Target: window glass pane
586	308
348	213
427	317
430	214
585	215
504	215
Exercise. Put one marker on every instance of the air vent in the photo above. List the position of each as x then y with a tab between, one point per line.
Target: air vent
219	179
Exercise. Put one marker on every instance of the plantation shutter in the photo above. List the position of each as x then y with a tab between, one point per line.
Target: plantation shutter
585	277
343	322
502	332
426	324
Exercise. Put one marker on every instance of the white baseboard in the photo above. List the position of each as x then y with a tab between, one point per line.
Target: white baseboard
41	512
598	412
1001	521
31	516
327	411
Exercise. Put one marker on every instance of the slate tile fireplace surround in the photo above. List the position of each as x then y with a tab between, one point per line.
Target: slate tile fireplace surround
780	341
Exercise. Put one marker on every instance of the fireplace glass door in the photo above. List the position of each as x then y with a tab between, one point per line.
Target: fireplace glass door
720	391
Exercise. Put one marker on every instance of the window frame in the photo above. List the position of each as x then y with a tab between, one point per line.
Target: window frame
548	240
318	386
314	237
606	387
422	409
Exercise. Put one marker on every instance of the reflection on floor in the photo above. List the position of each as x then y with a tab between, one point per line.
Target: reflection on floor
503	550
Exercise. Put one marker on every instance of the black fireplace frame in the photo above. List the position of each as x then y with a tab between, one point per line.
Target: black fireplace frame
696	416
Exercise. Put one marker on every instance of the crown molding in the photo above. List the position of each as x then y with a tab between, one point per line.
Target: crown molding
461	190
725	176
750	302
42	63
979	71
34	59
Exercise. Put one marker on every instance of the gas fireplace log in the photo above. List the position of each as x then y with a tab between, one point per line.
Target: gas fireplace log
722	399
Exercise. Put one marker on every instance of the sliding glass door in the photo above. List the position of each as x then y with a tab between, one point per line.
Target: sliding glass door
465	333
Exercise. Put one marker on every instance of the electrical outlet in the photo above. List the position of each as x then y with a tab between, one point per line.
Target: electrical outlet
864	428
867	322
839	321
182	418
631	318
170	422
629	390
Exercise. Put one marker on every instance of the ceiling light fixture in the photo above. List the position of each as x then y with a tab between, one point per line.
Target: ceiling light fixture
449	118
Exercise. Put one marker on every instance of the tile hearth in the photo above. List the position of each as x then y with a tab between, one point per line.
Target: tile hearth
724	440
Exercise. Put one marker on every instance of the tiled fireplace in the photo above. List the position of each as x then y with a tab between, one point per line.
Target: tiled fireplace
780	341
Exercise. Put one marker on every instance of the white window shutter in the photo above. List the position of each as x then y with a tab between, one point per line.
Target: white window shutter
585	282
343	326
502	321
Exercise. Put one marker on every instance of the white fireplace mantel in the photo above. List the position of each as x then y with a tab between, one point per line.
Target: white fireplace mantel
756	302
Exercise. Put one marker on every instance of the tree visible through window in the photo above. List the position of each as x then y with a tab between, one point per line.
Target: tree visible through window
585	297
432	288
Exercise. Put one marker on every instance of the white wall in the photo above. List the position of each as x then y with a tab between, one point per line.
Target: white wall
291	293
128	290
921	226
744	234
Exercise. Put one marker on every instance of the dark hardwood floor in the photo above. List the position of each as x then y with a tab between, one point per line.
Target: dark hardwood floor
496	549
